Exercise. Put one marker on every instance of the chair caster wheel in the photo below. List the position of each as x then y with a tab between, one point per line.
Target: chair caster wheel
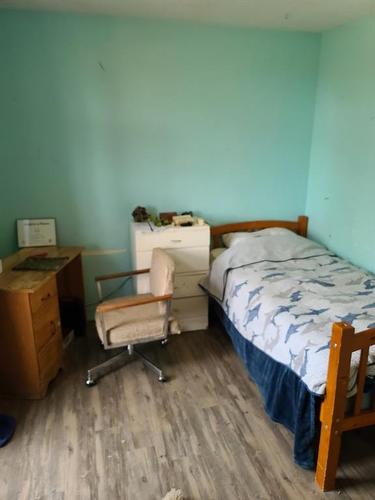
90	383
162	378
164	342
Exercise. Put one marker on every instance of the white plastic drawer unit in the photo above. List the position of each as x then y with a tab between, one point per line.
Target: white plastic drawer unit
191	313
187	285
186	259
189	247
195	236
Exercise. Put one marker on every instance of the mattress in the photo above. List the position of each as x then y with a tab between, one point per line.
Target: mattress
283	292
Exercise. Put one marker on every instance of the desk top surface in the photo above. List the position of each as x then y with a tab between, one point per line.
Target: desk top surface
30	281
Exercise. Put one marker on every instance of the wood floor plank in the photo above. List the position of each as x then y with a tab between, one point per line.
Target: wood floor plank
132	438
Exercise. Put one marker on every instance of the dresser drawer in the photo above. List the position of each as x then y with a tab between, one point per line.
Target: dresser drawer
194	323
46	322
190	308
185	259
142	283
43	295
173	238
191	314
186	285
50	358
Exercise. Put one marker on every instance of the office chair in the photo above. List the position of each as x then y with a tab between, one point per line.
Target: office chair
128	321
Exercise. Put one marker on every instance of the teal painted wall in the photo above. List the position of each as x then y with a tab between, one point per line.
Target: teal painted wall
100	114
340	199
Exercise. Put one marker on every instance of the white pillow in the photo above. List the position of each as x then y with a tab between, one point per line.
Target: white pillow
231	239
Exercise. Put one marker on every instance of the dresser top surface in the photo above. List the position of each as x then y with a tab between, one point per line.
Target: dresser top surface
145	227
30	281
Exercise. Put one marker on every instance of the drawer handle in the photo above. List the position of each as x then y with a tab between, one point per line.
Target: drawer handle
176	241
46	297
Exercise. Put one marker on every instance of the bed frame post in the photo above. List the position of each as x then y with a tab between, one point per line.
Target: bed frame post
333	408
302	225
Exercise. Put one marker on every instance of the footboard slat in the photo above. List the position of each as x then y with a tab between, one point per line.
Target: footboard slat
364	419
363	339
361	380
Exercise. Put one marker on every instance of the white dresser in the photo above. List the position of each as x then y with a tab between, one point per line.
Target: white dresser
189	248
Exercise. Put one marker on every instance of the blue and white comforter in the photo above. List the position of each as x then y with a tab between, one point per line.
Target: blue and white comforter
283	292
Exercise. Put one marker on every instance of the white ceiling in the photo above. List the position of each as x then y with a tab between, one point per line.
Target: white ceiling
306	15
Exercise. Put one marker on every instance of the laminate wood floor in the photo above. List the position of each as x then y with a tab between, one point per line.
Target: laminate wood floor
133	438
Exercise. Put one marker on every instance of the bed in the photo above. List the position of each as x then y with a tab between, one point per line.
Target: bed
303	322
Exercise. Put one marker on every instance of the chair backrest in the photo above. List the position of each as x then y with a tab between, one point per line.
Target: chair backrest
161	273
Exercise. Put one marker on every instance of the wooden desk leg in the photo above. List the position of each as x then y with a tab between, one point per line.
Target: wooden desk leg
71	287
333	408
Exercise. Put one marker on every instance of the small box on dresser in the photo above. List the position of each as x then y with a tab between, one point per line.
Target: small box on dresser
190	249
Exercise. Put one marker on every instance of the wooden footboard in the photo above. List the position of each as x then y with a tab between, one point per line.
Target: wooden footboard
333	417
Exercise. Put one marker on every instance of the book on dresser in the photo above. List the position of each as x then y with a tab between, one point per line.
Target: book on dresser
190	249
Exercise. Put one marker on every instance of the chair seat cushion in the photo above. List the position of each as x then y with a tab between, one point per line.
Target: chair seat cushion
132	325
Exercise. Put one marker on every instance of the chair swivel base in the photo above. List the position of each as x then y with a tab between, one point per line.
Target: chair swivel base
119	360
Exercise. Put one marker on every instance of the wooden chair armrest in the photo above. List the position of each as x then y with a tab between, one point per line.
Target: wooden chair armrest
121	275
131	302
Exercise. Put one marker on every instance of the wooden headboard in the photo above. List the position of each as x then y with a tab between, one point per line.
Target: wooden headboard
299	226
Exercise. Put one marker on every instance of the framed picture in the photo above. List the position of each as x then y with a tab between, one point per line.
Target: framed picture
36	232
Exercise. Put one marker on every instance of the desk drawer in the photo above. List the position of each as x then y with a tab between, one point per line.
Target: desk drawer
46	322
43	295
173	238
50	358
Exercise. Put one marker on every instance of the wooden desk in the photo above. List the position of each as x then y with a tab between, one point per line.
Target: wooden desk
35	306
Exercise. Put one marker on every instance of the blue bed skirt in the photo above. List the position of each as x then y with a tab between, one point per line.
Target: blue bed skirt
287	399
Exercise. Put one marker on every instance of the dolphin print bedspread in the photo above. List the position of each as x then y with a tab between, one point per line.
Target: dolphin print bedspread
282	292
